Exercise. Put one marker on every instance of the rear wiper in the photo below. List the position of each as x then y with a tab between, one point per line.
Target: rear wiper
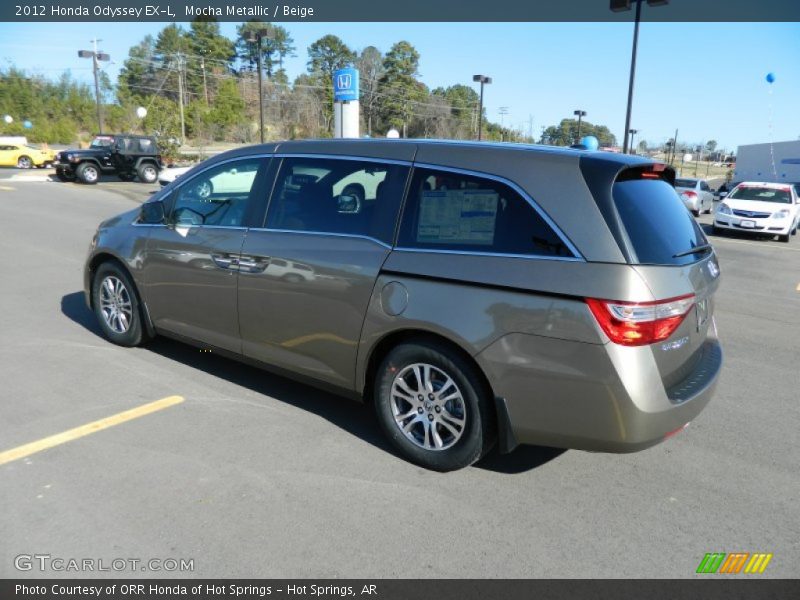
695	250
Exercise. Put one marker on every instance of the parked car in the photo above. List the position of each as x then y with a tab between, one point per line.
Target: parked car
696	195
25	157
126	156
760	207
170	174
462	296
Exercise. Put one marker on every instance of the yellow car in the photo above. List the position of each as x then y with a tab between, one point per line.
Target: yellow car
25	157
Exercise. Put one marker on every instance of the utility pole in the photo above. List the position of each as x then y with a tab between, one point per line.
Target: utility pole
205	88
180	97
96	57
256	37
530	128
503	112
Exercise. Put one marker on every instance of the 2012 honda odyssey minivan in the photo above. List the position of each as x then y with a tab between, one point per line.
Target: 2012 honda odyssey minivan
475	293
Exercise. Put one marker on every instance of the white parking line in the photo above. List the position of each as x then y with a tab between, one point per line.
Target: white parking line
759	244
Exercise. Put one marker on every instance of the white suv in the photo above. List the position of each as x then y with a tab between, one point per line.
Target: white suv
758	207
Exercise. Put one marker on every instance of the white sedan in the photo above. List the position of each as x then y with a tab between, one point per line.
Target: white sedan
771	208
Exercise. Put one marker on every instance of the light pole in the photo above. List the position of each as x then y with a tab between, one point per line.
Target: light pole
621	6
482	79
96	56
580	114
633	133
256	37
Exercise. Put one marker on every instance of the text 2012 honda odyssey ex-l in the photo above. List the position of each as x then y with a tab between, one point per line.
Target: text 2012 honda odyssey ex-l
474	293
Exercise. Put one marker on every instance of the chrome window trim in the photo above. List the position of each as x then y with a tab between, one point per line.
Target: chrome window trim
324	233
539	210
389	161
490	254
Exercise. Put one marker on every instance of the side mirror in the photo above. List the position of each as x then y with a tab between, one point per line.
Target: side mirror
348	204
152	213
723	194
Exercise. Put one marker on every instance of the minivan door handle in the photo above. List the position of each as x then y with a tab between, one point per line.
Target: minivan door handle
253	264
225	261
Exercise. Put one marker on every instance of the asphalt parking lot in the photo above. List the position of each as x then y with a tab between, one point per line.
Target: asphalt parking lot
252	475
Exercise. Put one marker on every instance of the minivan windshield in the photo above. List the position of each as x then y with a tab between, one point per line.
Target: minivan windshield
762	194
660	229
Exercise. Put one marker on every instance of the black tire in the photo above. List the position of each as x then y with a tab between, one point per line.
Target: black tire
785	238
148	172
24	162
476	436
135	333
126	176
696	213
62	176
88	173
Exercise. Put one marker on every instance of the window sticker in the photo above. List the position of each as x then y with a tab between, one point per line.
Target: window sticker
458	217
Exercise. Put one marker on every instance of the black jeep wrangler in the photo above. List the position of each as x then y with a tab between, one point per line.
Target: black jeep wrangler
124	155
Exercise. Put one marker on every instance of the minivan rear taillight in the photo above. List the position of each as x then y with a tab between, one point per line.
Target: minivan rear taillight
640	323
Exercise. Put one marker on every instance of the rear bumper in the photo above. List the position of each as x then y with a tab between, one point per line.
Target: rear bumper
591	396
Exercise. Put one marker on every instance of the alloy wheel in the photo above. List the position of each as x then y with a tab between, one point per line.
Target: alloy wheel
428	407
115	304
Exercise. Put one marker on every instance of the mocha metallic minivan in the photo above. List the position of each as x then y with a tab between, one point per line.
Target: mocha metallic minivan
475	293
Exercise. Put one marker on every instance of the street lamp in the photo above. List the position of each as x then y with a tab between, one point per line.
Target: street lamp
256	37
96	56
633	132
621	6
482	79
580	114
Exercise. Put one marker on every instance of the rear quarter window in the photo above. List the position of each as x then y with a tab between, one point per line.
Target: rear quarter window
657	224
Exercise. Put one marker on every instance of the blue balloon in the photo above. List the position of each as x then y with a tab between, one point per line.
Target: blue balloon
27	124
590	142
770	77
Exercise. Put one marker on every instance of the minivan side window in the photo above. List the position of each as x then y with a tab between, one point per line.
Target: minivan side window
218	196
454	211
341	196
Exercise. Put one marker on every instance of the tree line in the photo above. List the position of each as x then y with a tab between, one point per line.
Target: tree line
213	81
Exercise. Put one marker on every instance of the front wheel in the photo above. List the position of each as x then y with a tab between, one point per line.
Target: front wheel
433	406
88	173
785	238
116	306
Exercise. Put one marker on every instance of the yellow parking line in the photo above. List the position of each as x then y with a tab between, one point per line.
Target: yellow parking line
7	188
93	427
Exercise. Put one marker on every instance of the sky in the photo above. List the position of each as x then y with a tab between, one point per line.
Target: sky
708	80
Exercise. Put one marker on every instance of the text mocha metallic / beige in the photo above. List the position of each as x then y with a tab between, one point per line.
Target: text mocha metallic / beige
476	294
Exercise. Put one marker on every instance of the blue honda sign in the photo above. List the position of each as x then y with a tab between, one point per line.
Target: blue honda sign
345	85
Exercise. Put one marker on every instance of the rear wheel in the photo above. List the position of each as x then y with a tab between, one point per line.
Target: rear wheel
433	406
117	306
24	162
696	213
88	173
148	173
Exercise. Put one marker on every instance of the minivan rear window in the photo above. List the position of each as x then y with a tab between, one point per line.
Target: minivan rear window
658	225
